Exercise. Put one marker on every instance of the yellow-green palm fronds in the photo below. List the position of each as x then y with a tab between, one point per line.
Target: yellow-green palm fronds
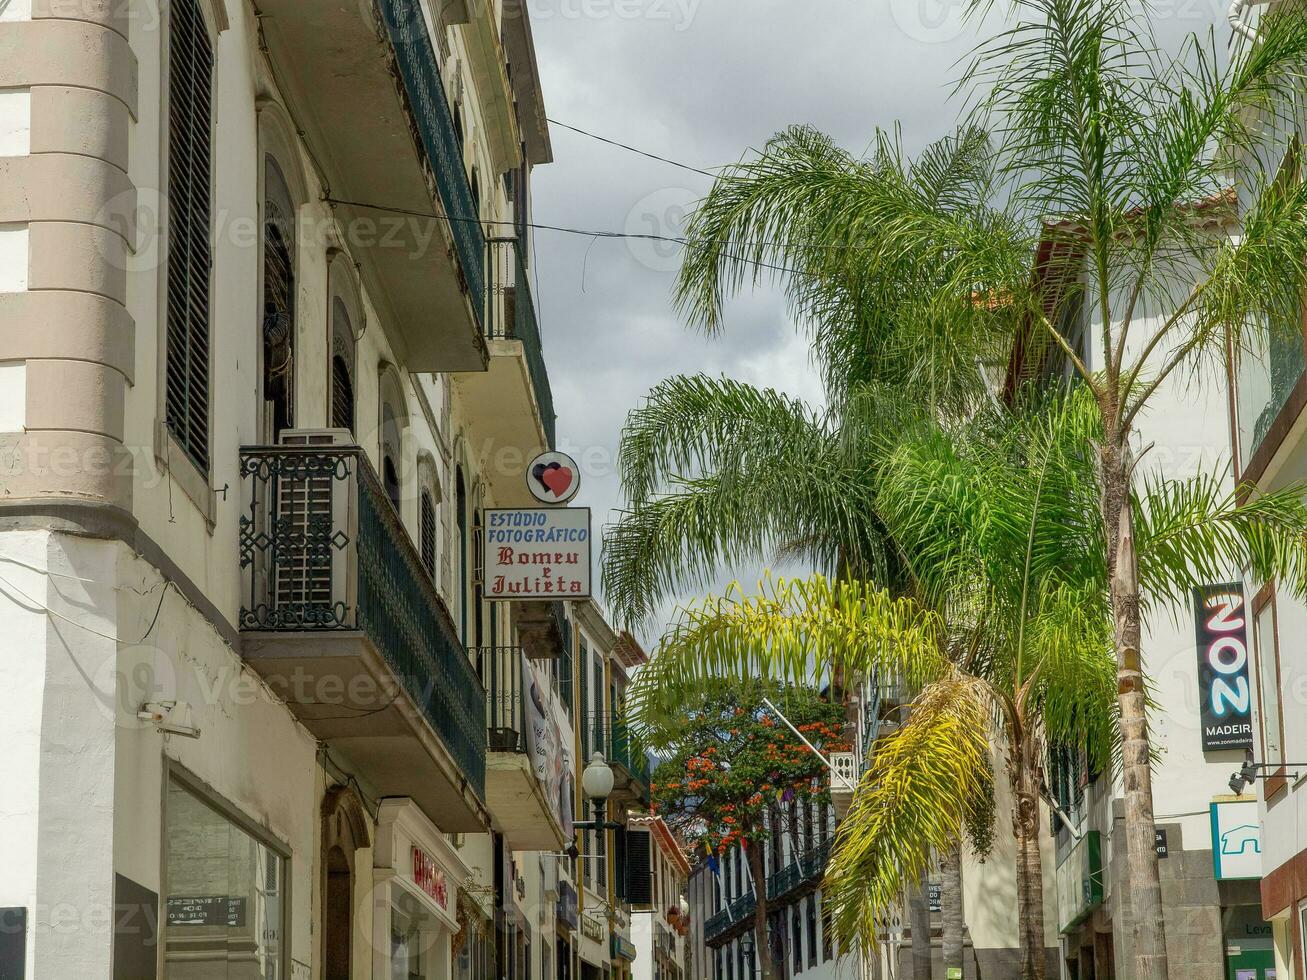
923	784
801	631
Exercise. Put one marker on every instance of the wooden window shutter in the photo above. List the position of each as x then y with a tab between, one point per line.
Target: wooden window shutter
190	71
427	533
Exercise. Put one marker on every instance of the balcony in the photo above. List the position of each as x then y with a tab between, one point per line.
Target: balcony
343	622
518	767
363	81
511	405
799	877
609	735
734	919
1270	394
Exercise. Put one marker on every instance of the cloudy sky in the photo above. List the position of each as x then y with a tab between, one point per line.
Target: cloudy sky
702	82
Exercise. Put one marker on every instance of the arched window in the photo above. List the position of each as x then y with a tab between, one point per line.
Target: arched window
342	366
278	326
427	531
390	454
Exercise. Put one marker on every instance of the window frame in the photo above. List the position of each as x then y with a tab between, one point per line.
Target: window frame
343	288
175	772
170	454
1277	780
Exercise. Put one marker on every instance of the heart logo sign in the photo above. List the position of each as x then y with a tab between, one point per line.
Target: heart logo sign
552	478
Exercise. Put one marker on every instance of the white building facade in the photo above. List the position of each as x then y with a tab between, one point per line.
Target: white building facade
267	351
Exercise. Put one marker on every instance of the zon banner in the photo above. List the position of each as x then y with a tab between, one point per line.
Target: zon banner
537	553
1224	692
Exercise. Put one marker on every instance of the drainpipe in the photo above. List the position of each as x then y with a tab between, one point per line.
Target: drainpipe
1235	15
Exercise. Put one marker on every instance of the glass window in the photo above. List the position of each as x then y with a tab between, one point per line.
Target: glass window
406	959
1267	370
811	907
225	915
1268	678
796	939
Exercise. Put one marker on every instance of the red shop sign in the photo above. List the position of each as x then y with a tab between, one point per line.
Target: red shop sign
429	877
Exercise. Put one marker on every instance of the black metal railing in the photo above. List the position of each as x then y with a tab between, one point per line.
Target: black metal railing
730	917
323	549
512	316
415	55
500	670
606	733
802	870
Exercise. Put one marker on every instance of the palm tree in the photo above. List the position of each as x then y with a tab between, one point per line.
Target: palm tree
1008	639
1136	151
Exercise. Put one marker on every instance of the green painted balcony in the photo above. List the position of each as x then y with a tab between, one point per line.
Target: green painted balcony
364	83
341	618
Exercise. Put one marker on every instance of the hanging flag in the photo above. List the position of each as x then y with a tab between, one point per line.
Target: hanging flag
714	866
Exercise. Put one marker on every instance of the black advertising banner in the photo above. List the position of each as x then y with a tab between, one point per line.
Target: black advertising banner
1224	691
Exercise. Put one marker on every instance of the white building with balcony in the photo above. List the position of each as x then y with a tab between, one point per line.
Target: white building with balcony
267	350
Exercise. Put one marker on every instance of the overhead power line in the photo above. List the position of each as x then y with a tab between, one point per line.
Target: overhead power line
635	149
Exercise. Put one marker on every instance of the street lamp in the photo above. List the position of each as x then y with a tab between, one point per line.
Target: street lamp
746	947
597	784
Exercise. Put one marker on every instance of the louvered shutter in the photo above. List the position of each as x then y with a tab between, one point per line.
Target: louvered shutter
342	395
427	534
190	69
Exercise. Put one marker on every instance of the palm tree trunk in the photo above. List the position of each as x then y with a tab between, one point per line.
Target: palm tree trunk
761	943
951	905
1030	872
919	920
1149	930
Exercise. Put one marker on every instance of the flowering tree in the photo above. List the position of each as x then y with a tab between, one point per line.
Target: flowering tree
733	770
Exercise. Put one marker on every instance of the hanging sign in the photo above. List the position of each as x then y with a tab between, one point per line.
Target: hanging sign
553	478
1224	691
1236	840
537	553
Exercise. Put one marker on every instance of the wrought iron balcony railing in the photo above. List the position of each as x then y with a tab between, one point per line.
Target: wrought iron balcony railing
322	549
730	917
512	316
807	868
605	733
415	55
500	670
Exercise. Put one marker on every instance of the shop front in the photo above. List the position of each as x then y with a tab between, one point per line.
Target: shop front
417	875
1237	864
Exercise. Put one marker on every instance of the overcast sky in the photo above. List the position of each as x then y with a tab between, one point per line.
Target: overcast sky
702	82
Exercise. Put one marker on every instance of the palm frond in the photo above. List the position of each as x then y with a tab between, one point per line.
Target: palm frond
924	784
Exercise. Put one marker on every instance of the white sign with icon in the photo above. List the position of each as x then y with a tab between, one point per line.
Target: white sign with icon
553	478
1236	840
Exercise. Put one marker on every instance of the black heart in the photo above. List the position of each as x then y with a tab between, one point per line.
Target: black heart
538	471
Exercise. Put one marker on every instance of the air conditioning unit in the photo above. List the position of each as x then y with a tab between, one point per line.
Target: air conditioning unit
317	437
313	512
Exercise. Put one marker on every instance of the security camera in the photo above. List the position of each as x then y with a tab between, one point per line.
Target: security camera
167	717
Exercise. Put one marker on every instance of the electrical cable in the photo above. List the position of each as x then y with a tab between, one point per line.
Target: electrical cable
633	149
37	604
562	229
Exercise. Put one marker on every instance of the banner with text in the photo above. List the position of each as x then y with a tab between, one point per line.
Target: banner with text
537	553
1224	691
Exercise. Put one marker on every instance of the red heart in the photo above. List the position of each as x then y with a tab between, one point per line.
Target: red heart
557	480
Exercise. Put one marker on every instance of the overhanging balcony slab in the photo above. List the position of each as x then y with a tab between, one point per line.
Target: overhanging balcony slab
338	65
503	413
521	809
342	690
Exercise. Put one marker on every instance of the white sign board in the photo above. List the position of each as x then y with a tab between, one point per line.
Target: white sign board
1236	840
537	553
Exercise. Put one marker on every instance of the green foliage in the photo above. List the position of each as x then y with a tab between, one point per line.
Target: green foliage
732	762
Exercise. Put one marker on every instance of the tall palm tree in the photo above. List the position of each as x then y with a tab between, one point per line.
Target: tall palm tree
1135	150
1008	640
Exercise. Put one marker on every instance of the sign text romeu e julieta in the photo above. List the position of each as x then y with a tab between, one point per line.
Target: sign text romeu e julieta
537	553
